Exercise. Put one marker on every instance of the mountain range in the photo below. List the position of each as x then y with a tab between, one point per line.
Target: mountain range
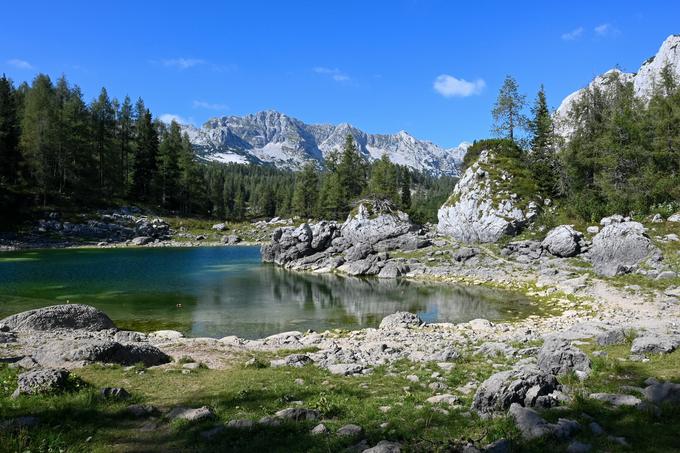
285	142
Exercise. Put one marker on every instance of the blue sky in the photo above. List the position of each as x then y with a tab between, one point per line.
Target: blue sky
432	68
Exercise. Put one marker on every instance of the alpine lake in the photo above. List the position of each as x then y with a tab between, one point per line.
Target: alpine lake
220	291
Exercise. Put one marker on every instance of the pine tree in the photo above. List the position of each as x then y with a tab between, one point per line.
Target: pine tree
507	112
146	155
38	136
351	170
383	183
305	197
542	159
124	119
405	189
10	156
103	130
190	178
168	168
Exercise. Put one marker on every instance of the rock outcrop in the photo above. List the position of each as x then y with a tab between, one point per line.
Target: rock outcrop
620	247
357	247
483	208
46	380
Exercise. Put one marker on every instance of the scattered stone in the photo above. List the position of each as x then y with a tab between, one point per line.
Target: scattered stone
611	337
319	430
19	423
350	430
242	424
662	393
114	393
298	414
345	369
269	421
142	410
563	241
299	381
526	385
559	357
446	398
141	240
596	429
384	446
616	399
191	414
593	229
655	343
400	320
494	349
166	335
413	378
529	422
46	380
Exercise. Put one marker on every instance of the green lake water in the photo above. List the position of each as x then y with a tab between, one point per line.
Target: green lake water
228	291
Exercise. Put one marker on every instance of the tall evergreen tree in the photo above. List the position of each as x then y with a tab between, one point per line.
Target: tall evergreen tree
351	170
405	189
146	156
124	119
103	133
507	112
38	137
168	168
305	197
542	159
383	183
10	155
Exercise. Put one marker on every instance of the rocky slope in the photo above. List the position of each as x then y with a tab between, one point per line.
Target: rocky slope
483	206
275	138
644	80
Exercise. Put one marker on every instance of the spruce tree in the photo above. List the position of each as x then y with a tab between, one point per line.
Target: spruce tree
383	183
10	155
305	197
542	159
351	170
146	156
168	168
405	189
507	112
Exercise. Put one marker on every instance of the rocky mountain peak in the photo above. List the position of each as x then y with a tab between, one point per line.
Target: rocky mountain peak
286	142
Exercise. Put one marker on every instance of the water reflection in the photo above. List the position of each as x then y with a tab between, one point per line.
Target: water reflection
227	291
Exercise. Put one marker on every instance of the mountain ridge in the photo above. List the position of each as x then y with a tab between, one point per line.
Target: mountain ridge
286	142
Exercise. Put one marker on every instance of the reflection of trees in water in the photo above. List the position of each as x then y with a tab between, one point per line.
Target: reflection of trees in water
369	300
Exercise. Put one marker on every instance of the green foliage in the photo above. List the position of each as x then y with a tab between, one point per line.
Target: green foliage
306	195
383	183
543	160
507	112
624	156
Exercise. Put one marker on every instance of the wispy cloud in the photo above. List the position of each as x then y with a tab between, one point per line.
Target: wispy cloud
573	35
209	105
168	118
333	73
606	30
450	86
183	63
19	64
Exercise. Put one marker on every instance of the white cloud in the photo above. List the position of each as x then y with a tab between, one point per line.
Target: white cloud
168	118
605	30
183	63
333	73
573	35
449	86
20	64
209	106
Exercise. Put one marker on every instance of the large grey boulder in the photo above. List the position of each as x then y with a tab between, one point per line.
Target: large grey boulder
527	386
563	241
400	319
662	393
373	221
620	247
45	380
559	357
78	352
655	343
67	316
481	208
533	426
